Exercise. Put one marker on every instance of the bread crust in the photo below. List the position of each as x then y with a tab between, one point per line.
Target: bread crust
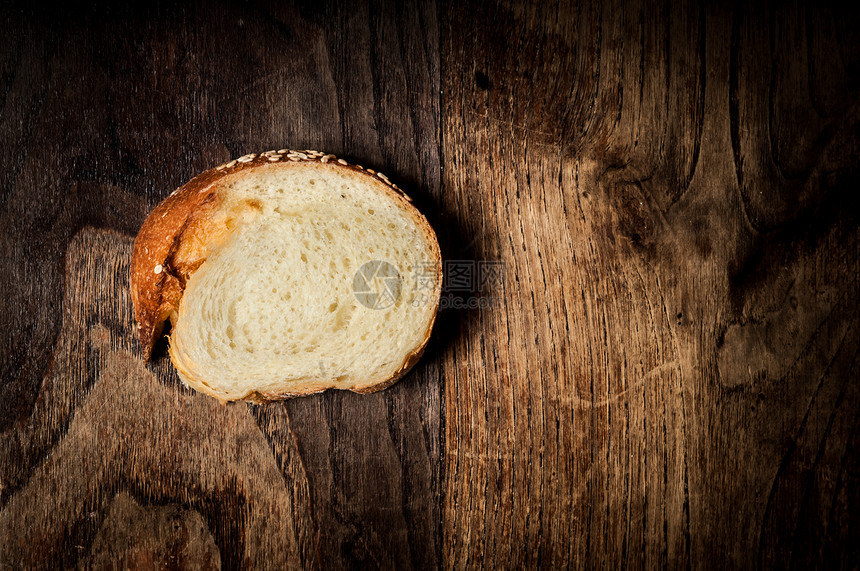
158	274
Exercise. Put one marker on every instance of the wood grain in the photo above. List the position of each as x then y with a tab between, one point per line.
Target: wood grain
666	375
107	112
672	377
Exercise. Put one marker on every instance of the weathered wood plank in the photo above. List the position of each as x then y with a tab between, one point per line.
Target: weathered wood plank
105	113
671	378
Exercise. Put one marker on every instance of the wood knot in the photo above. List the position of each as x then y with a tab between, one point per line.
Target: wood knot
635	219
482	81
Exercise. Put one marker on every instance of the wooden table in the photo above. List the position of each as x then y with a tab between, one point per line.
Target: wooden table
665	374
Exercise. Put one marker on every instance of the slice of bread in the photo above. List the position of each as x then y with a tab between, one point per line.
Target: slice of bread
285	274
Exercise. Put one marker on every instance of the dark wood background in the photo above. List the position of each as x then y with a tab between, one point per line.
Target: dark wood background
668	375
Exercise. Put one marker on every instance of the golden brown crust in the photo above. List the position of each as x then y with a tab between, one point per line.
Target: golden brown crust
176	237
155	288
